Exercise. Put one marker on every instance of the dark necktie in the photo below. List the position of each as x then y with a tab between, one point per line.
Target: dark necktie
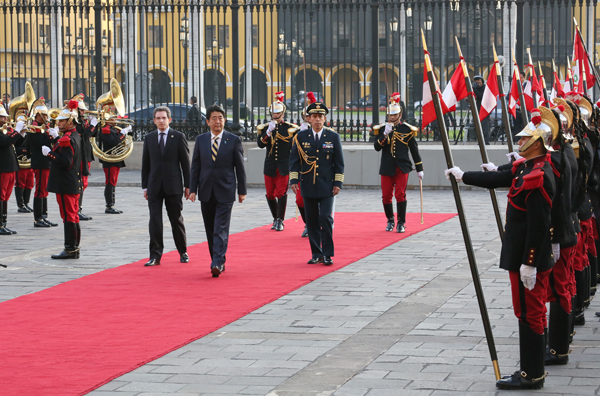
215	149
163	137
316	138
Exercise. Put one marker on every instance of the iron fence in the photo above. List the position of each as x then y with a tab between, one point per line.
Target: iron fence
352	53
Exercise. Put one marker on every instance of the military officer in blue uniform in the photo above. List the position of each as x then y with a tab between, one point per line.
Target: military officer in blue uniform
317	163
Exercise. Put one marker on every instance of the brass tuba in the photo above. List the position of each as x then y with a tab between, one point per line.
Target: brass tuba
113	98
21	104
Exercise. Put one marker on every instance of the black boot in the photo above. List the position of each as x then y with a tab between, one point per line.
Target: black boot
78	236
281	207
82	216
3	219
303	214
38	206
273	208
70	251
388	209
593	272
109	197
532	351
401	209
572	319
45	212
20	203
26	197
587	282
559	330
579	318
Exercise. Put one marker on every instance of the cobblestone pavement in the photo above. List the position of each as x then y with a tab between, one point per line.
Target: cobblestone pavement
402	321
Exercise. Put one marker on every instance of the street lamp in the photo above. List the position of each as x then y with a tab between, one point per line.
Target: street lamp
288	55
394	25
409	12
428	23
184	40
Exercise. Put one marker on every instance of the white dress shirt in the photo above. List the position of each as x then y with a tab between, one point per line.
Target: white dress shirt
166	132
213	137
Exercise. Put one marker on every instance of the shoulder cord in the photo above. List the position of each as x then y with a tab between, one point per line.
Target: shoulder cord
306	158
280	137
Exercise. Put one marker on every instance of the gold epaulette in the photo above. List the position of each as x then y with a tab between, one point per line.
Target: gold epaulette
293	128
261	127
414	129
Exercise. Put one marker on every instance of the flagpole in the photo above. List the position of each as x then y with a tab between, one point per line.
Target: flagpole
587	54
461	212
569	74
505	119
546	98
480	137
517	75
533	92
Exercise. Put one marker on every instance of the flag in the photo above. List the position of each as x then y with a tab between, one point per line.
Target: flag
489	101
456	90
557	89
428	110
533	86
513	98
582	65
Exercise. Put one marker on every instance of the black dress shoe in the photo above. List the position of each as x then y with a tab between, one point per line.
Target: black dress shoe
51	224
5	231
216	270
84	217
327	261
554	359
23	209
390	225
400	228
9	230
579	319
519	380
152	262
29	209
112	210
279	225
315	260
74	254
41	223
184	258
305	232
597	313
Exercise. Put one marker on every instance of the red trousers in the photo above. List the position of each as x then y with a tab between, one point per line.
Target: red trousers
581	259
7	182
299	199
571	268
399	181
41	182
276	186
25	179
69	207
530	305
559	280
84	179
591	234
111	175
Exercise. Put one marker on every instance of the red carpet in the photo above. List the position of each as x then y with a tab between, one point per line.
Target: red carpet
75	337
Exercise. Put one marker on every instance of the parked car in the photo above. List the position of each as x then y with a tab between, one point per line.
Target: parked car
297	102
367	101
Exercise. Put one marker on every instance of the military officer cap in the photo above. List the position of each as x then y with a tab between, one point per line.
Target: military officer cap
478	77
543	126
316	107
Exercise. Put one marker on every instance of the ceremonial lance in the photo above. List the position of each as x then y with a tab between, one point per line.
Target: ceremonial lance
591	64
435	94
505	119
480	138
522	103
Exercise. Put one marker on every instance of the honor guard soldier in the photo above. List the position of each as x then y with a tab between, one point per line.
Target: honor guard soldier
397	139
109	138
317	164
65	179
276	137
25	178
86	130
527	245
9	164
40	163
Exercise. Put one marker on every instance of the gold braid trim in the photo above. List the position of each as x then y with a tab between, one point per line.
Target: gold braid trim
280	137
400	137
306	158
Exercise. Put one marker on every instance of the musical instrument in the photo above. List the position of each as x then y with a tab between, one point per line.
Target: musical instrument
24	161
22	104
112	98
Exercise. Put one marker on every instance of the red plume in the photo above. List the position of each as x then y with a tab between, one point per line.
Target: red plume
395	97
279	96
311	97
536	120
73	104
561	108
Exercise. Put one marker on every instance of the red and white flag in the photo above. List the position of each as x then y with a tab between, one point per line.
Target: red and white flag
582	65
557	89
489	101
513	98
428	106
533	86
456	90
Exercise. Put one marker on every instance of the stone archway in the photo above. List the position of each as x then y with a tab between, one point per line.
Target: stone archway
345	86
314	82
209	87
161	87
259	92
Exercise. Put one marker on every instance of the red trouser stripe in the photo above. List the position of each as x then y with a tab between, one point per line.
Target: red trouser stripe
399	181
276	186
111	175
69	207
41	182
530	305
25	179
7	182
559	286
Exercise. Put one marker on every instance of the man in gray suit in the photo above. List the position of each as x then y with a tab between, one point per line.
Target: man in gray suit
165	159
217	162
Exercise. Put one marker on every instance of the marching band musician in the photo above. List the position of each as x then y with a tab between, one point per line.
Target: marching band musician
86	130
277	139
397	140
9	165
111	137
40	163
25	179
317	164
65	178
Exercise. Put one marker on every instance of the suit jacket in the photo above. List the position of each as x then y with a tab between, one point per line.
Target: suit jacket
320	167
218	176
166	170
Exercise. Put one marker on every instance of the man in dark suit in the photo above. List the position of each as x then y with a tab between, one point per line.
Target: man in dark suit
317	163
164	160
217	162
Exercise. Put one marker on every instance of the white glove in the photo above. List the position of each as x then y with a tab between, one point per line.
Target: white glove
528	276
126	130
94	121
271	128
490	167
304	126
458	174
420	175
556	251
388	128
45	150
514	156
19	127
53	132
